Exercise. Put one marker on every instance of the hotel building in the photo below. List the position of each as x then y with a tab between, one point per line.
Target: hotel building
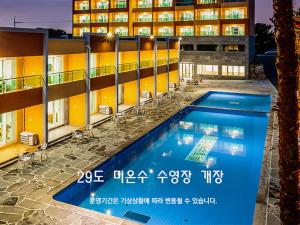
217	35
51	87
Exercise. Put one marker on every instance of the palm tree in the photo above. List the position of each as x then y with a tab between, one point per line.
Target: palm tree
289	162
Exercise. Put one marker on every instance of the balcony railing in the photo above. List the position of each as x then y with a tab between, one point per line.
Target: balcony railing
207	1
127	67
164	4
164	19
120	20
67	76
144	4
102	5
100	20
165	33
144	19
76	21
161	62
146	64
234	16
119	5
234	33
82	8
173	60
102	71
20	83
183	18
208	33
207	17
122	33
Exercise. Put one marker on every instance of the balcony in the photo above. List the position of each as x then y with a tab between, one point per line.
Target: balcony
100	20
208	33
234	16
186	33
65	77
20	84
207	1
127	67
162	62
144	4
164	4
119	5
102	71
165	19
144	19
234	33
146	64
207	17
119	20
185	18
173	60
81	21
102	5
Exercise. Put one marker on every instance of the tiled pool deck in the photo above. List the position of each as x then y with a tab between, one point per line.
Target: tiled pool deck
26	195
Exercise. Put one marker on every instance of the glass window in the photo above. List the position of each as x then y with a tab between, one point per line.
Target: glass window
233	70
93	103
55	113
207	69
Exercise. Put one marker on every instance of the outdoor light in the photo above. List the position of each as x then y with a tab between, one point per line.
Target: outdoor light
151	171
151	37
109	34
180	38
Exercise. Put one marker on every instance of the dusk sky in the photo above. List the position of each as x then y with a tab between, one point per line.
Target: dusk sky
58	13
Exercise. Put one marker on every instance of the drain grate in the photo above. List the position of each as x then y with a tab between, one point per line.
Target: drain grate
137	217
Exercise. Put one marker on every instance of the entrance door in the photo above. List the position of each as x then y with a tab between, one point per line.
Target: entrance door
93	102
7	71
55	113
186	71
7	129
121	94
55	66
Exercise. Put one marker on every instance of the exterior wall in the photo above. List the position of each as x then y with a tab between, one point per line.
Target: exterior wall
33	120
107	96
218	57
162	83
77	110
147	84
130	93
174	77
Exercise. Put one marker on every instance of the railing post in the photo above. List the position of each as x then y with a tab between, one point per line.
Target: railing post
138	69
155	67
45	89
87	75
168	64
116	73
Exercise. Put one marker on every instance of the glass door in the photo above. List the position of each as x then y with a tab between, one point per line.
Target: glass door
93	102
7	71
55	66
7	129
186	71
55	113
121	94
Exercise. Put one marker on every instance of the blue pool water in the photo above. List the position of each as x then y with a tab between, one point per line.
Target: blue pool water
228	100
196	140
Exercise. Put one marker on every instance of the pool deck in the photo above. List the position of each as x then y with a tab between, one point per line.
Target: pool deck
26	194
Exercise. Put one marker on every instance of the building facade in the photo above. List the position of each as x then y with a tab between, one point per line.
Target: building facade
217	35
51	87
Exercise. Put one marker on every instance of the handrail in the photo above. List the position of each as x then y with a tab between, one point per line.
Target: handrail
20	83
127	67
173	60
161	62
66	76
146	64
102	71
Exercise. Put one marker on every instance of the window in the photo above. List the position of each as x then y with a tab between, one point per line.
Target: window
164	3
55	65
144	31
186	31
84	19
234	30
208	48
84	5
145	17
102	18
165	31
7	71
83	30
207	69
187	47
121	18
7	128
208	14
144	3
209	30
165	17
93	102
233	48
233	70
121	31
187	16
101	30
235	14
102	5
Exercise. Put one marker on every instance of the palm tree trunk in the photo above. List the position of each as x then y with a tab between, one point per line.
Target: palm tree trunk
289	162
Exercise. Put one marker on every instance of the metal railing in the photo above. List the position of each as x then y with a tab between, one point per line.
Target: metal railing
66	76
20	83
146	64
102	71
127	67
161	62
173	60
82	21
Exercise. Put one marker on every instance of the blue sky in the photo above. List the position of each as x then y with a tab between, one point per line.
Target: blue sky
57	13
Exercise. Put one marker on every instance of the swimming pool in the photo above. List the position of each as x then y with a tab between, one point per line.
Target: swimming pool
228	143
238	101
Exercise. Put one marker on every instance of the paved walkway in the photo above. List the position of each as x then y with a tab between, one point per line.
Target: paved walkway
26	195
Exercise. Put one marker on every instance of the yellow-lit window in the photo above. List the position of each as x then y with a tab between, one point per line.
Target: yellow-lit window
233	70
207	70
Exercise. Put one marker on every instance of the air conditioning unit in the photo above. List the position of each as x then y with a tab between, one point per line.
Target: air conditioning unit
105	109
29	138
146	94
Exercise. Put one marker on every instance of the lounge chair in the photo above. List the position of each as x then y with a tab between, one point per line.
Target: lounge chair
25	158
